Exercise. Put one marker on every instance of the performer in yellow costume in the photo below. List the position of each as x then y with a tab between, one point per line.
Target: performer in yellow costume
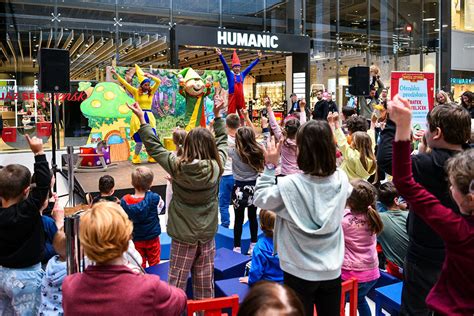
144	97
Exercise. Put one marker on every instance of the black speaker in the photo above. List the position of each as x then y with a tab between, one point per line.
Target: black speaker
359	81
53	70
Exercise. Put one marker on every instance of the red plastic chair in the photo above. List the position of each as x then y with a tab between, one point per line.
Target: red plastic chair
214	306
349	286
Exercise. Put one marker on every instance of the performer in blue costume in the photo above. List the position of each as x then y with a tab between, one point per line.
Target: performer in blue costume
235	78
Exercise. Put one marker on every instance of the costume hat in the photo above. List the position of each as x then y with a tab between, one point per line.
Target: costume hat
188	73
140	75
235	59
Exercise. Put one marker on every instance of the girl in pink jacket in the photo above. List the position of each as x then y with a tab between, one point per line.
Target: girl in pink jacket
361	224
288	136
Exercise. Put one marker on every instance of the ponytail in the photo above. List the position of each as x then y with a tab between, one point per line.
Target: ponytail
375	222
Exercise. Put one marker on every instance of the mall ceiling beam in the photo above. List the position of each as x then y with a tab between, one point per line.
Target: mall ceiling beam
83	49
10	45
146	50
106	52
68	40
50	38
86	51
4	50
59	38
40	40
20	47
76	44
29	44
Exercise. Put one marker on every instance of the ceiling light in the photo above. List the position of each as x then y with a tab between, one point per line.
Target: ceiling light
429	19
36	45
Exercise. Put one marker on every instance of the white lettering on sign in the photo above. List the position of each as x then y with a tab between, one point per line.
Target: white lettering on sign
246	39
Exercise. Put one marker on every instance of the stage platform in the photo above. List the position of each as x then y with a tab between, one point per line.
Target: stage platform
88	182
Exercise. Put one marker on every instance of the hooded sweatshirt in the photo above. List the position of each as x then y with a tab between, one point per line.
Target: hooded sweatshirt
308	233
144	215
193	211
265	262
351	164
51	287
289	164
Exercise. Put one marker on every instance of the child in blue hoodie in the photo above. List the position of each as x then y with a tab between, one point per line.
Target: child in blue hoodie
265	262
143	208
55	272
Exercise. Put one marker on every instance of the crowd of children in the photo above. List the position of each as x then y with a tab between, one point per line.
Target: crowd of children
316	188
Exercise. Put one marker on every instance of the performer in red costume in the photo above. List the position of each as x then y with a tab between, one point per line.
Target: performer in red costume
235	78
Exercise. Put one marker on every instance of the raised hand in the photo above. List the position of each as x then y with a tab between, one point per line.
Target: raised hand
36	144
218	105
260	54
302	103
267	102
400	113
137	110
218	51
112	70
272	152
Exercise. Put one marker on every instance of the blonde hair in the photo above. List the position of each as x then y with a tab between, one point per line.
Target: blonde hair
142	178
363	144
105	231
445	95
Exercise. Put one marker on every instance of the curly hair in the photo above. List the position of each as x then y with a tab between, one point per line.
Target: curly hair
356	124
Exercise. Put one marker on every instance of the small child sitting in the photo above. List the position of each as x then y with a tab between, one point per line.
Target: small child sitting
265	262
107	190
143	208
51	286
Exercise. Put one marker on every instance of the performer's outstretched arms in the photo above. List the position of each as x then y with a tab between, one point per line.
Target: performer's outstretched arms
124	82
253	64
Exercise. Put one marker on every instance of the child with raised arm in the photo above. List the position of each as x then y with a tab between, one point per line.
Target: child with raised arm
359	158
193	211
21	233
453	292
309	208
289	164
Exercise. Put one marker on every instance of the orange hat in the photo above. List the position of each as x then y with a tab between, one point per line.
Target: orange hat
235	59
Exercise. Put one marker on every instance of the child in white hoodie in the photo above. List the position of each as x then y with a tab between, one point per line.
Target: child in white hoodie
309	208
51	286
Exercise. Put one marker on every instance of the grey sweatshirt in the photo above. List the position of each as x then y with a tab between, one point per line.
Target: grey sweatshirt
308	233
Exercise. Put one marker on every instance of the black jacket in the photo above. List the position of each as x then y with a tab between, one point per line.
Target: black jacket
296	108
321	110
21	227
425	246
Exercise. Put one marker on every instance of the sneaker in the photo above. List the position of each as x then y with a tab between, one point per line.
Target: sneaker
252	245
151	159
136	159
237	249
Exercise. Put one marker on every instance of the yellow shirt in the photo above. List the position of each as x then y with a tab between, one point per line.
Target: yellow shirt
144	100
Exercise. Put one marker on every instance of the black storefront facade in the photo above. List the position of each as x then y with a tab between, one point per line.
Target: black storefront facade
298	47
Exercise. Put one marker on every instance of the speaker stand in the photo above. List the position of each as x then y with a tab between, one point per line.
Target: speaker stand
53	140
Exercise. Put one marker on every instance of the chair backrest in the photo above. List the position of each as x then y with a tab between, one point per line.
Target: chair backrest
349	286
214	306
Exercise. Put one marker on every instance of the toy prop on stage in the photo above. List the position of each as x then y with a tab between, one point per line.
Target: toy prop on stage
109	118
193	89
143	95
235	80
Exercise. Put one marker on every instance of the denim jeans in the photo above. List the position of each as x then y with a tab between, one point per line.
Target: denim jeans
225	192
20	290
362	305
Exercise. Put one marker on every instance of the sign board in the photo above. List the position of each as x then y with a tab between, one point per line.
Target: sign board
215	37
299	84
418	88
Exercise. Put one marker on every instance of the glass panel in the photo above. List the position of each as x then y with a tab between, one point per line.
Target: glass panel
238	12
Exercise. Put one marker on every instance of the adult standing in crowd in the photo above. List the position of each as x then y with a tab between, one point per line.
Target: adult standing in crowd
295	105
321	108
467	102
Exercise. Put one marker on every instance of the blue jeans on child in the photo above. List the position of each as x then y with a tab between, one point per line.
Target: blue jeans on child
362	291
20	290
225	192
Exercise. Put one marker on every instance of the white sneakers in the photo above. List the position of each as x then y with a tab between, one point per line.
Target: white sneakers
252	245
237	249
